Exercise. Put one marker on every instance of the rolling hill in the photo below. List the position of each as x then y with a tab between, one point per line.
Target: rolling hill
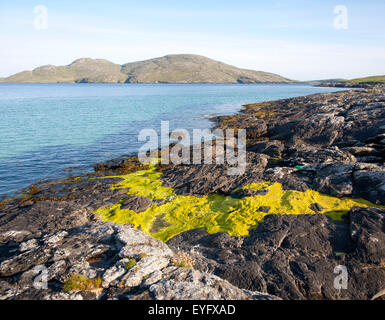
179	68
372	79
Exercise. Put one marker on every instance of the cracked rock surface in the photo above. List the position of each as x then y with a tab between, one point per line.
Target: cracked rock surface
294	257
102	250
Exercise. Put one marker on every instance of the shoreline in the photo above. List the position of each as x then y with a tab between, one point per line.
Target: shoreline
213	118
66	173
316	148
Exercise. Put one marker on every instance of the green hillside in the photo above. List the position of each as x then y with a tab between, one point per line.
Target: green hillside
380	79
187	68
182	68
81	70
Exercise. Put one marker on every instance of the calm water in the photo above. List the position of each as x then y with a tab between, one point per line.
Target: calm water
45	129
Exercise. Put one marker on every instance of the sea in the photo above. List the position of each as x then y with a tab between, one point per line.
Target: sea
51	131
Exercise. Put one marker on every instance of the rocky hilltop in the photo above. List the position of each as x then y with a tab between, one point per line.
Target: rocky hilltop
178	68
312	198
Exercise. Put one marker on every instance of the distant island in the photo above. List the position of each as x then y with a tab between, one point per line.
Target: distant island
365	82
176	68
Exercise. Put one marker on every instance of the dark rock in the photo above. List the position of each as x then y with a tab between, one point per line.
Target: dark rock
367	227
316	207
241	193
136	203
317	155
257	129
272	148
370	184
334	179
122	165
209	179
61	205
291	256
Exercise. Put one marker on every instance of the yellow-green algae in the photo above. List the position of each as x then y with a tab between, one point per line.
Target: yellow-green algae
218	213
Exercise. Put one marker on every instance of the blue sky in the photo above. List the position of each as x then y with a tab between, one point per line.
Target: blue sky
296	39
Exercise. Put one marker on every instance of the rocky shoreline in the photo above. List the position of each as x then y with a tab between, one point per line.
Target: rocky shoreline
351	84
331	143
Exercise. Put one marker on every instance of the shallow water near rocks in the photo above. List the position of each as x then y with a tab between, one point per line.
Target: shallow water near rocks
49	131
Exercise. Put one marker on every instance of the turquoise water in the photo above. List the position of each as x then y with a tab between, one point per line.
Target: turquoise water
48	131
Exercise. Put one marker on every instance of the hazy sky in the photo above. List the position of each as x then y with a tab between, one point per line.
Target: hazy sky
296	39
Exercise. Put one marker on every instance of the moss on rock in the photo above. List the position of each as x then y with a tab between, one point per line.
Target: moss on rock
79	282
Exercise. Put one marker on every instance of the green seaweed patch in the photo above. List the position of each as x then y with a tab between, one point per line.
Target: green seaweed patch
217	213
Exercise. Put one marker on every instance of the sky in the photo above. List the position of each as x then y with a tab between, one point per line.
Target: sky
301	40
